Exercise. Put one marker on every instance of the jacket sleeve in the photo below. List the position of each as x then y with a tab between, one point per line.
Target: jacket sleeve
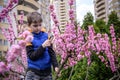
53	57
34	54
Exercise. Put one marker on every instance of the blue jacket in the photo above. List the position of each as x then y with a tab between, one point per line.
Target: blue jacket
38	57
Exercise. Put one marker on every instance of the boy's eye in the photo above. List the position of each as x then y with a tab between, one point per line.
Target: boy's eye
39	24
35	25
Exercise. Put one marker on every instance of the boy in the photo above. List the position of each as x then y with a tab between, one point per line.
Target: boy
39	52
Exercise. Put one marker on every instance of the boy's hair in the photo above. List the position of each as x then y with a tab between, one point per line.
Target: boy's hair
34	17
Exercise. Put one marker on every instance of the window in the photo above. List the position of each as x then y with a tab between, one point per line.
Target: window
116	3
0	31
5	42
4	52
5	1
4	20
0	41
1	7
0	53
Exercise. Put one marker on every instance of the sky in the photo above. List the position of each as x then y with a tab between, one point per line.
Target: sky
82	7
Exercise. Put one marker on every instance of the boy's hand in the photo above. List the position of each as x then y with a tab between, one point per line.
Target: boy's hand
46	43
56	69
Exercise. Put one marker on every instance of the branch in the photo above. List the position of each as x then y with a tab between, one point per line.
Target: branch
20	62
71	73
59	30
118	78
60	68
87	73
114	77
118	75
17	72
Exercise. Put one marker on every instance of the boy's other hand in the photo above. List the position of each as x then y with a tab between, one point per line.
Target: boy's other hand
46	43
56	69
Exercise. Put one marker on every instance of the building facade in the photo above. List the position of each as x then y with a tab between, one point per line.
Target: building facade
40	6
103	8
27	7
3	23
62	11
114	5
44	10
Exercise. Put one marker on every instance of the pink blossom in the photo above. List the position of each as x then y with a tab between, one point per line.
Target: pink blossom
53	15
8	7
15	1
11	58
29	38
8	67
25	34
22	43
51	7
71	2
2	67
102	58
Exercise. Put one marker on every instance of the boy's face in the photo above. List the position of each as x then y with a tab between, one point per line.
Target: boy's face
36	27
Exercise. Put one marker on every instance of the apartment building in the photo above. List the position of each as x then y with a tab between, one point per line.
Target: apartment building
101	9
114	5
44	10
27	7
40	6
62	10
104	7
3	23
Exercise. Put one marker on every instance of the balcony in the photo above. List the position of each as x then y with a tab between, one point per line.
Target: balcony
62	3
97	1
63	20
62	23
25	8
62	14
35	5
3	48
19	12
2	2
101	13
42	5
5	25
63	17
103	17
2	36
62	29
19	18
36	0
100	3
100	8
62	9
